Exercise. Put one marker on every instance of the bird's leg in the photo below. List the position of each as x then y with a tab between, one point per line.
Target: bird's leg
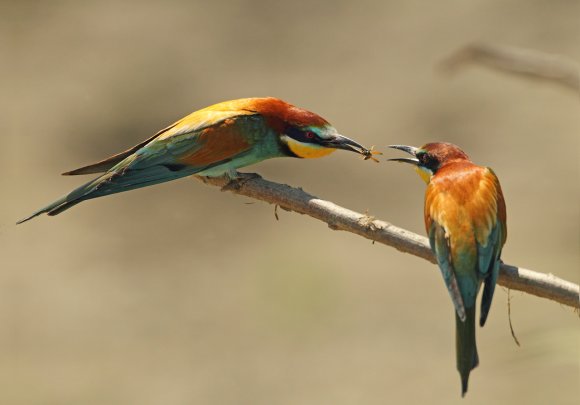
237	179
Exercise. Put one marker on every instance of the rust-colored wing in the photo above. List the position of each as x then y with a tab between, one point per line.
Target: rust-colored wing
194	122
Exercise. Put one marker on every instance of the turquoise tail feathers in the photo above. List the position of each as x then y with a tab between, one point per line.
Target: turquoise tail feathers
71	199
466	349
61	202
114	182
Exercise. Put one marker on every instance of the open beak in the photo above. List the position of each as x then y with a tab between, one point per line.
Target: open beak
411	150
342	142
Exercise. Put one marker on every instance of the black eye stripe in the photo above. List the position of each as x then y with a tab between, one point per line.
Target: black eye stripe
428	161
301	135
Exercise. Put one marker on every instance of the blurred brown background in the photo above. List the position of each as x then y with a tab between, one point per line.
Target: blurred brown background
180	294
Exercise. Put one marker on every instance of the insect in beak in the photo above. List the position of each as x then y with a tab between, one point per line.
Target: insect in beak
368	154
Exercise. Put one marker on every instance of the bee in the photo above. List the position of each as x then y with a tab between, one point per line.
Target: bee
368	154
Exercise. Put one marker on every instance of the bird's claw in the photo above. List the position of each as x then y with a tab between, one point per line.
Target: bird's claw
238	182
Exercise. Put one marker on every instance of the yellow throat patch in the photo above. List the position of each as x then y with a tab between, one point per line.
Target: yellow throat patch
424	174
307	150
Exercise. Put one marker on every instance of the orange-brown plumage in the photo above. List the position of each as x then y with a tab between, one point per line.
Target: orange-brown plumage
217	144
466	199
279	110
465	218
276	112
214	141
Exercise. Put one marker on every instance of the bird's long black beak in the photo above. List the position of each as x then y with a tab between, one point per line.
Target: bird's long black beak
411	150
342	142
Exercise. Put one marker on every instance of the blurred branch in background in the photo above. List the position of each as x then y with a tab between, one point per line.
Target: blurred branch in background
523	62
339	218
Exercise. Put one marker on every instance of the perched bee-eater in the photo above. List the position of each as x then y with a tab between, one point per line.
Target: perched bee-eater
214	141
465	218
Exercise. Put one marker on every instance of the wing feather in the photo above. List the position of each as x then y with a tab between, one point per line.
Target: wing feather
164	159
490	248
440	244
191	124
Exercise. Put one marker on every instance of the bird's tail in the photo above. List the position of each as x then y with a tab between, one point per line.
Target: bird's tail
115	181
466	349
60	205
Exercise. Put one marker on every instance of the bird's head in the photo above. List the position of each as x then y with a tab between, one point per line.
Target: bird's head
312	141
429	158
302	133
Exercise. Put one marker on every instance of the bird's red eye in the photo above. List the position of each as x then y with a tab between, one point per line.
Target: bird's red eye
309	135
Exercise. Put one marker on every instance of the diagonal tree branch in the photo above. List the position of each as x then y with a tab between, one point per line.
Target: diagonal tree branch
528	63
339	218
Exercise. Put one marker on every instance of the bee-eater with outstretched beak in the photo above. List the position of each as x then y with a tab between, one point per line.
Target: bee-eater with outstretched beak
214	141
465	218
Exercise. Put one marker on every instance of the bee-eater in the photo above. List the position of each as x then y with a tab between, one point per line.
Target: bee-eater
214	141
465	218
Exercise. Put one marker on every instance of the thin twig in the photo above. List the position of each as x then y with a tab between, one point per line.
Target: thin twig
509	308
339	218
523	62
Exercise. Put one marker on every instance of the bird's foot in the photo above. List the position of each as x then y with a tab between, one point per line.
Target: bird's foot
237	182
